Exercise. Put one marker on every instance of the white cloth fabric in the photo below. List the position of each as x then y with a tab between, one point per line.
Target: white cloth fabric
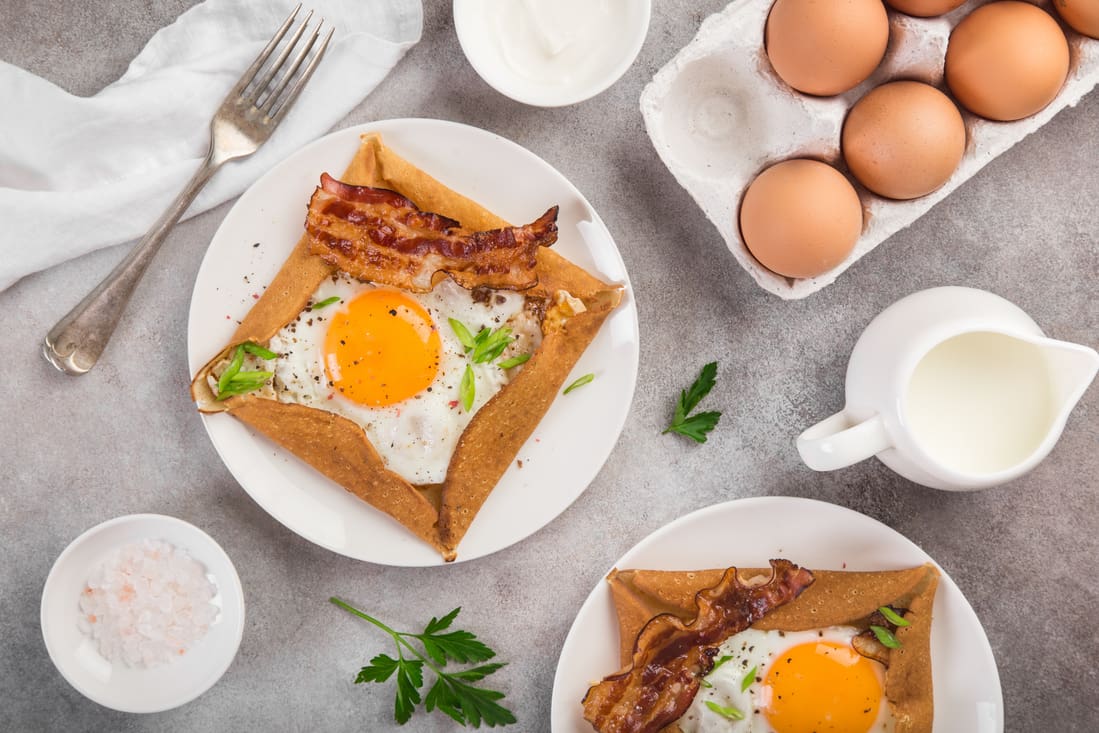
81	173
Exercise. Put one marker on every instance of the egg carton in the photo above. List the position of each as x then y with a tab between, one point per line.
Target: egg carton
718	115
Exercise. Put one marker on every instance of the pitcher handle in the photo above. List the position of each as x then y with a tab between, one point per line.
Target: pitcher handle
830	444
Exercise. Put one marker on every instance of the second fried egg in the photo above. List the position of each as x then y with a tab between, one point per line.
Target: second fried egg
390	361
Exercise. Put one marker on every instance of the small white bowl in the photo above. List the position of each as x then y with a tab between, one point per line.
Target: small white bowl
116	685
551	53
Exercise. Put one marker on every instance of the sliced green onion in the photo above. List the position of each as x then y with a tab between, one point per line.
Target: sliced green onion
748	679
325	302
720	661
465	389
256	350
232	369
579	383
514	361
250	378
892	616
463	334
885	636
491	346
244	382
705	683
725	711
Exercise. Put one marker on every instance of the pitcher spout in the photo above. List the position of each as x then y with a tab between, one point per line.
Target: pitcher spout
1072	368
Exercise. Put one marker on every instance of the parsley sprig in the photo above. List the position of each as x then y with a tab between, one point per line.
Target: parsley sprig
453	693
698	425
234	381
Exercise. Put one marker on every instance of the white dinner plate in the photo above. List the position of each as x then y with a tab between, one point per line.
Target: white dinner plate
749	532
571	443
117	685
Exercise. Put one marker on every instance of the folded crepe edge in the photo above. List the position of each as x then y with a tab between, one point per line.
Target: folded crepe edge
835	598
442	515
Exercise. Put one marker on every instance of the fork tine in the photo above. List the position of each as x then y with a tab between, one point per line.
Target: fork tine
250	73
272	98
288	102
259	89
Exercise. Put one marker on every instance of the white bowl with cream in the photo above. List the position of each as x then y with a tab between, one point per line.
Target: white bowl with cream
118	685
551	53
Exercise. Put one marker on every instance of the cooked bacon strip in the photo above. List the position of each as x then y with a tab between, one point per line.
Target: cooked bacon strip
670	657
378	235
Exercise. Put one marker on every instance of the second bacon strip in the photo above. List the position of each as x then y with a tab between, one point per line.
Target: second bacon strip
671	658
378	235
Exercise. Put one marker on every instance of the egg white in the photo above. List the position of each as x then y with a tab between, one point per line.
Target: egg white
415	437
757	649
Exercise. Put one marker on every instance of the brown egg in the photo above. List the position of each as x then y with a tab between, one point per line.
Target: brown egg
903	140
1082	15
800	218
1006	60
826	47
924	8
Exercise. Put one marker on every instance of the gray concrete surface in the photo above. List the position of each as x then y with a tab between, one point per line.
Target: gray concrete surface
126	439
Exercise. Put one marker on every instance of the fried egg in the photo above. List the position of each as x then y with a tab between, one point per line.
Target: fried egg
390	361
791	682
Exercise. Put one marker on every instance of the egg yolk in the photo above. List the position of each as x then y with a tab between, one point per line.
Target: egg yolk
822	686
382	349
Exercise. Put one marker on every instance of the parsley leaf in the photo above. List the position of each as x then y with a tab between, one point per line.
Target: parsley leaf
380	669
410	678
695	426
455	694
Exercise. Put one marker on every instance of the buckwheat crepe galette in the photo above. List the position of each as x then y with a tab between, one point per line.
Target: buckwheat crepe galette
782	649
410	344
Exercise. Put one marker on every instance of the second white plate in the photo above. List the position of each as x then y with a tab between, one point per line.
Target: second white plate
749	532
571	443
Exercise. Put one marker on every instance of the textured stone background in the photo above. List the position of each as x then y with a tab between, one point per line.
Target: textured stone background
126	439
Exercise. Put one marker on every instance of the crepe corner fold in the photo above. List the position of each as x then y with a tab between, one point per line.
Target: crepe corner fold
338	448
835	598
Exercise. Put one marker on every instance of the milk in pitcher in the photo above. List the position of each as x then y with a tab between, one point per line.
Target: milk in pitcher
980	402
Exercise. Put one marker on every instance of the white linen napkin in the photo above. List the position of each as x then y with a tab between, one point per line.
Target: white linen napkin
81	173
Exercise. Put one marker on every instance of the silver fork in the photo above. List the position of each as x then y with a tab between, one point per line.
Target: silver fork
250	113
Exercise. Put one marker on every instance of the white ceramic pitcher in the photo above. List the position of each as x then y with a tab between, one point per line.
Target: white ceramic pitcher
954	388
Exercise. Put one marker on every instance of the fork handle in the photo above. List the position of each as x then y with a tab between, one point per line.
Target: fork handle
76	342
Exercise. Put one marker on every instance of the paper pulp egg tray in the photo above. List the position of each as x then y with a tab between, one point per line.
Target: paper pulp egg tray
718	115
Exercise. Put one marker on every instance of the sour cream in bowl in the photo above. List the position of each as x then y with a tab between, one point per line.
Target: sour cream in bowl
551	53
142	613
